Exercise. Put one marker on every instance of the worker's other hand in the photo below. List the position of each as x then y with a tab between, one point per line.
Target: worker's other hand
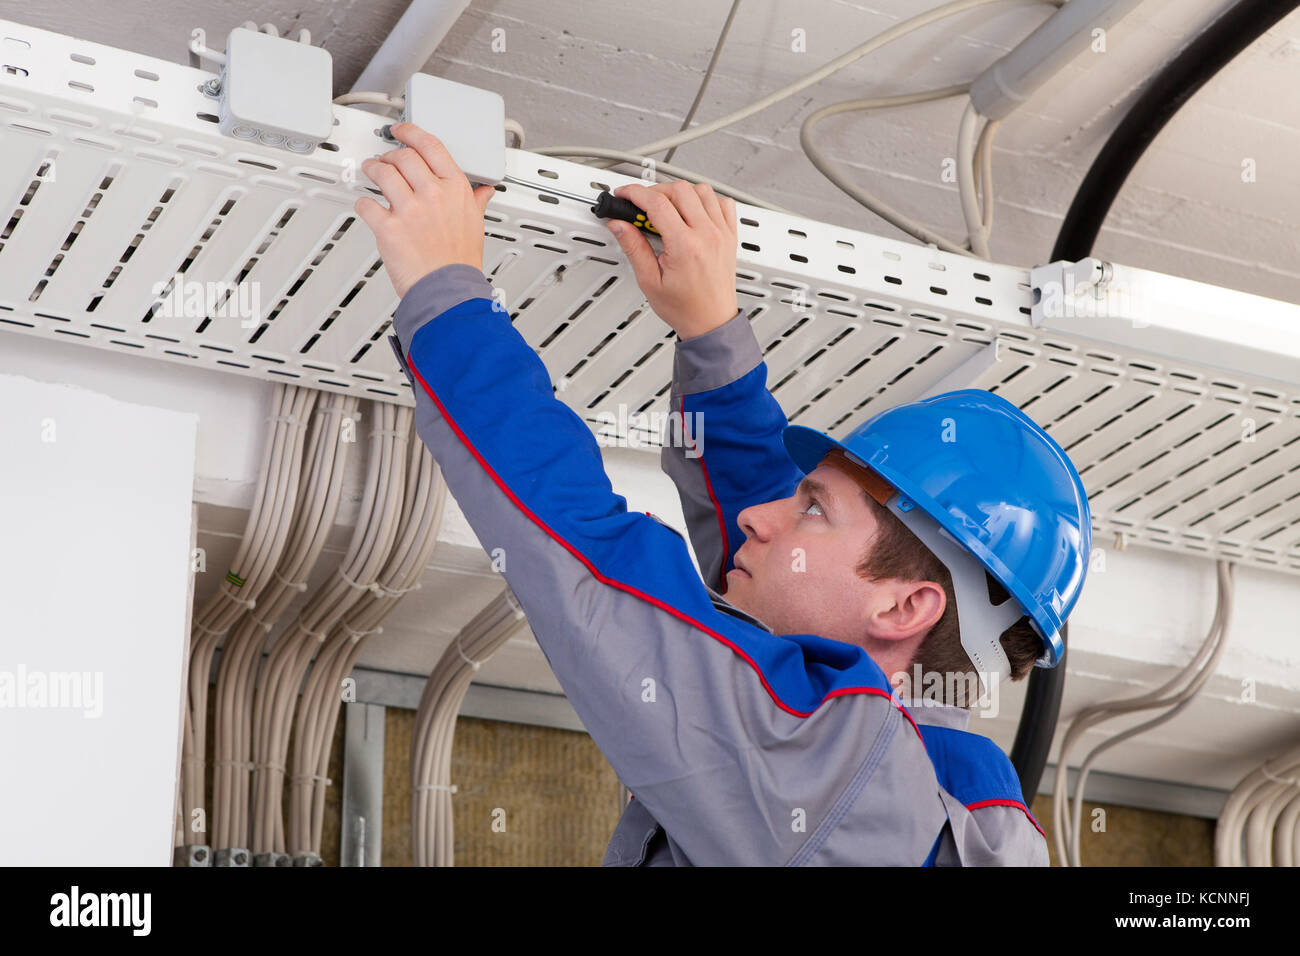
434	217
691	285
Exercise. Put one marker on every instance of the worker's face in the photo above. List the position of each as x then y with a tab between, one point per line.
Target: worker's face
797	570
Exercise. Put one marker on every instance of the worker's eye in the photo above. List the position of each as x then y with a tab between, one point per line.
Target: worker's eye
811	505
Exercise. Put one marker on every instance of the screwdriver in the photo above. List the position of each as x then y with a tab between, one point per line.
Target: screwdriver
606	205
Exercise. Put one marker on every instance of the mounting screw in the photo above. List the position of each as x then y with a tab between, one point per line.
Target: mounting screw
212	87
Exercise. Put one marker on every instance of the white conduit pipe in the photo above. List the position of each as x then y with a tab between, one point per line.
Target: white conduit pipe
1059	40
1002	88
410	45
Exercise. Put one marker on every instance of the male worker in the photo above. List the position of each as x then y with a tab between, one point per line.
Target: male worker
760	729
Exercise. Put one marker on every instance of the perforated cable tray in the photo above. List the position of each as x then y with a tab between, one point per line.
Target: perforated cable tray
114	179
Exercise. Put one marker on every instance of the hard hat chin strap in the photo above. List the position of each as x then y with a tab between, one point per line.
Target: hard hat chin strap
981	622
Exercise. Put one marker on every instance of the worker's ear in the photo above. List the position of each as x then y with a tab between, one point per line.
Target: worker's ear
483	195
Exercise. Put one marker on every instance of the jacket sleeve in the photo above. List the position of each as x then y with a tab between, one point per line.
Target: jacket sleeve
725	451
992	833
749	748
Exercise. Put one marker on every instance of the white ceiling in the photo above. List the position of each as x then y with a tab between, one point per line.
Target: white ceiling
618	74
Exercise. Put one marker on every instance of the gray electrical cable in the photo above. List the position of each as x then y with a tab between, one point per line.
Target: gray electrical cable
372	539
877	206
708	73
435	723
421	521
290	657
313	517
970	208
1098	713
881	39
1195	674
248	575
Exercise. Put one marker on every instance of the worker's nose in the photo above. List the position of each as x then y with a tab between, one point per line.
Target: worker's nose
758	521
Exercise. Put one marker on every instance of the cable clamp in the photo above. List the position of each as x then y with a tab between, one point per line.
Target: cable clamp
292	585
311	778
265	625
270	765
436	786
398	592
401	436
373	587
246	603
474	664
319	635
1291	781
358	635
207	630
245	764
287	419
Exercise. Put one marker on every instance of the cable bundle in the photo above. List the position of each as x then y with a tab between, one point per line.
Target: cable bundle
259	550
432	835
1194	676
314	516
292	653
1258	824
421	520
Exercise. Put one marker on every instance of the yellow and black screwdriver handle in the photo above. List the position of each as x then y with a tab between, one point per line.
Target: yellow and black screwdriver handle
609	206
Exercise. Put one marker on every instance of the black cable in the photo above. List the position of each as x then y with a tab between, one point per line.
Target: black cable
1202	59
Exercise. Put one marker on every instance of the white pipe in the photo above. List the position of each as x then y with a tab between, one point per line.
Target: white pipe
410	45
1059	39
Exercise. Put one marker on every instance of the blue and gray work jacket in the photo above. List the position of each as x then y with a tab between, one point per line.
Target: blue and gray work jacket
739	746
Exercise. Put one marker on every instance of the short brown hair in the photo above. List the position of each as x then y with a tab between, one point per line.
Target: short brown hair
897	553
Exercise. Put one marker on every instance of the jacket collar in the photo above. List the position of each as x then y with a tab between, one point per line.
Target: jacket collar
937	715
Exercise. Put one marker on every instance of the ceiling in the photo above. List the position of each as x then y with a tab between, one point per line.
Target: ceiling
619	74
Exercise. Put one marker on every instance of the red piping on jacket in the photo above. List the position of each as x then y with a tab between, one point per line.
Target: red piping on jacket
1006	803
633	591
717	508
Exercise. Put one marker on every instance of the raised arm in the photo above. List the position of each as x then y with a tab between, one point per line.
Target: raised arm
725	732
729	455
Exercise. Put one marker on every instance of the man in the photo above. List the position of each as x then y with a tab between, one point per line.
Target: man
760	728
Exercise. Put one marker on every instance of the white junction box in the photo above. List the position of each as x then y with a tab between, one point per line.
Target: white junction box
469	121
276	91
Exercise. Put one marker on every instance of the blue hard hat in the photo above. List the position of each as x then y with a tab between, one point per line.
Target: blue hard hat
991	478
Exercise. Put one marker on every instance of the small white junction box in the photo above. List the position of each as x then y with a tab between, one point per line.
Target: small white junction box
276	91
469	121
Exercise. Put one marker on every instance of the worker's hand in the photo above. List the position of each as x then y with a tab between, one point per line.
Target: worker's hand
434	217
691	285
